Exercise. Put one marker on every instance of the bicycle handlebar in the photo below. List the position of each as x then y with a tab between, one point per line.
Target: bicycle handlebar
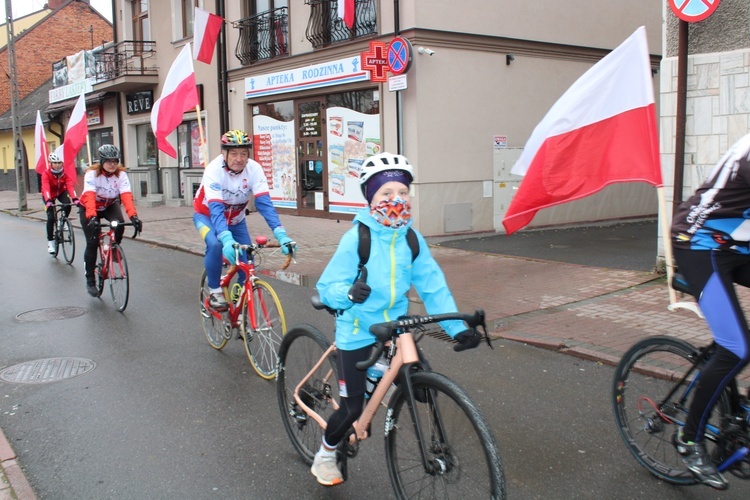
115	224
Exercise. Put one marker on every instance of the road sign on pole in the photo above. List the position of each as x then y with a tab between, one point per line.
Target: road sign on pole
693	11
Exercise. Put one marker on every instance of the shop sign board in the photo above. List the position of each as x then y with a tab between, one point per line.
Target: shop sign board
375	61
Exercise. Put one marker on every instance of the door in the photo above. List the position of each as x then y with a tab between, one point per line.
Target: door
312	170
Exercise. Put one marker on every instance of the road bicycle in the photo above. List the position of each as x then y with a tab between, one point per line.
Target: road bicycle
63	233
437	443
652	391
111	265
253	312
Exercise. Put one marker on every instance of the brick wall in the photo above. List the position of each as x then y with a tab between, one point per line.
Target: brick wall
61	34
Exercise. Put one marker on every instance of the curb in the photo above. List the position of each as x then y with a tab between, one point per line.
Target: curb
13	473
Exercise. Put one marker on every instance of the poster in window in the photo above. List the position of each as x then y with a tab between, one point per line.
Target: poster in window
273	148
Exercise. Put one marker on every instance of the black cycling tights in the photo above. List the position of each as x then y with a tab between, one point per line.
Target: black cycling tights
343	418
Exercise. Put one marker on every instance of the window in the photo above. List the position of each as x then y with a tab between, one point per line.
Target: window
146	141
188	17
362	101
141	25
189	144
97	138
253	7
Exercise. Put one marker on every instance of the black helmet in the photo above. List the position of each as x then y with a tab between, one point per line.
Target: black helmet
108	152
235	139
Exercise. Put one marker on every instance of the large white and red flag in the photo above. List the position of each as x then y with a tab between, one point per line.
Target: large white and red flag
178	95
40	145
75	136
346	12
601	131
206	29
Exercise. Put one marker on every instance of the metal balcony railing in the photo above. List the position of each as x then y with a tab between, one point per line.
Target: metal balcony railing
126	58
324	26
263	36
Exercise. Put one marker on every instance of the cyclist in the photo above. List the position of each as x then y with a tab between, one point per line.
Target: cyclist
228	182
105	185
56	186
384	181
712	250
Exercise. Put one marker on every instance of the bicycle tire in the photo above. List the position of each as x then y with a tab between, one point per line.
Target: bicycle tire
119	278
57	236
67	240
457	438
213	328
100	273
301	349
644	376
262	343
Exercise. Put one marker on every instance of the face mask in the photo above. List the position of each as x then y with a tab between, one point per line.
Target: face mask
392	213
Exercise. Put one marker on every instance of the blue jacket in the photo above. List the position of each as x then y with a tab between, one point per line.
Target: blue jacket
390	274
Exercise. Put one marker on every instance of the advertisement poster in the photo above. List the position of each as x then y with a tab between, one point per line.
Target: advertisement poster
273	148
352	137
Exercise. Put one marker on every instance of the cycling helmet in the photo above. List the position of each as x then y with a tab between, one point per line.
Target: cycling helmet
55	164
53	158
380	163
235	139
108	152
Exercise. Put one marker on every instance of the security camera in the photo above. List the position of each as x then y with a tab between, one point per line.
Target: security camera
424	50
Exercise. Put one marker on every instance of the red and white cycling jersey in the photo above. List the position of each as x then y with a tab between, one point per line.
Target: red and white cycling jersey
233	190
106	189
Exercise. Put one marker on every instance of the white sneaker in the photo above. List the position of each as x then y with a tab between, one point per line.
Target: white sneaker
51	246
325	470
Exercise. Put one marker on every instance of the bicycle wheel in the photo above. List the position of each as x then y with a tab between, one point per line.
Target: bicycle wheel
213	326
301	349
461	453
650	404
67	240
101	273
119	278
57	237
263	332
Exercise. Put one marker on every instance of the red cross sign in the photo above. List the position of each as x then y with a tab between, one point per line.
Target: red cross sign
375	61
693	11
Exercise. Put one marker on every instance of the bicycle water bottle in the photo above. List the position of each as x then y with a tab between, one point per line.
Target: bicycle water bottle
374	374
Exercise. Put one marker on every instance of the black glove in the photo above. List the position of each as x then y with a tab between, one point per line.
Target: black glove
359	292
93	224
137	224
468	339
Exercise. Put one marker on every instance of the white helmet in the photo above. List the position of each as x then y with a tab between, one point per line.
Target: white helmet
380	163
53	158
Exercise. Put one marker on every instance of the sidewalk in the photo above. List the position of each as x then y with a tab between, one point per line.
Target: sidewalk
594	313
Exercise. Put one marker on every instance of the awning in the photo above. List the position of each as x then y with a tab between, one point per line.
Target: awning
91	98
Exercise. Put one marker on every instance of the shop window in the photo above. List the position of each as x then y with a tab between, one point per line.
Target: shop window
189	144
97	138
362	101
146	141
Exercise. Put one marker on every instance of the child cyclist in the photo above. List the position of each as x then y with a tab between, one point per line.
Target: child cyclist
56	186
384	180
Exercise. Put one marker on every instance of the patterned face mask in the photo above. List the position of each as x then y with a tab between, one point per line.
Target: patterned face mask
392	213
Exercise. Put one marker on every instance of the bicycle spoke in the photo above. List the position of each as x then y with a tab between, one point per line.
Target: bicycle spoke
264	326
119	280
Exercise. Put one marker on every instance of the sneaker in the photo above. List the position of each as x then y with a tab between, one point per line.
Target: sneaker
325	470
696	459
51	246
217	301
92	289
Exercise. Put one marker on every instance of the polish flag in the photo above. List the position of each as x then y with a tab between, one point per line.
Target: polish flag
601	131
205	33
346	12
178	95
40	145
75	136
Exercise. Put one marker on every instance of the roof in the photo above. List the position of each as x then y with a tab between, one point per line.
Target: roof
27	108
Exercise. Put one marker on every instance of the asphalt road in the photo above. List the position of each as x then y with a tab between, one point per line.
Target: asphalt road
162	415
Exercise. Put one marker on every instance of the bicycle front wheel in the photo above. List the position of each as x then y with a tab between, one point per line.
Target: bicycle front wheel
651	401
119	279
462	460
67	240
301	349
263	326
101	272
213	326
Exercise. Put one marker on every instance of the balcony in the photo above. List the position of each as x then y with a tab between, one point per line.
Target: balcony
325	28
127	66
263	36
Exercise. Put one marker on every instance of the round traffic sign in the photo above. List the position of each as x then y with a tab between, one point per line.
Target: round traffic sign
693	11
399	55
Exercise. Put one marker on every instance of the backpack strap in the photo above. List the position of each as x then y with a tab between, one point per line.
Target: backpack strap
411	239
363	250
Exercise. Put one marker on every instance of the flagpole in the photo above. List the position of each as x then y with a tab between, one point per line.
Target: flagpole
88	148
200	130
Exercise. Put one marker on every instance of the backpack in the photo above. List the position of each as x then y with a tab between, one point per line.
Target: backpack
364	246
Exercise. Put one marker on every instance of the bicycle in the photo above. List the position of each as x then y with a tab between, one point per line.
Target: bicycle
652	392
254	313
111	265
63	233
437	443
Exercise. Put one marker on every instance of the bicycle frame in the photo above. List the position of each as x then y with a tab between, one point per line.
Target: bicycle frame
106	240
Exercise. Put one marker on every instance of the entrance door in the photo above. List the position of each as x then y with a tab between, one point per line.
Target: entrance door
312	168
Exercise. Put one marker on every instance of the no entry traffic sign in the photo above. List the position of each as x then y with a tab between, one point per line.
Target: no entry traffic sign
693	11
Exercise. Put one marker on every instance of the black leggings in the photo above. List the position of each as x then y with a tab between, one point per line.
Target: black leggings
112	212
63	198
352	391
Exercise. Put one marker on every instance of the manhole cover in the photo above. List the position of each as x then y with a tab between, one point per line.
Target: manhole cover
42	371
51	314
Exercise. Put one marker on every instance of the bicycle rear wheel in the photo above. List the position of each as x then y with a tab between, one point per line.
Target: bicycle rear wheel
67	240
463	459
263	332
650	404
213	326
301	349
119	278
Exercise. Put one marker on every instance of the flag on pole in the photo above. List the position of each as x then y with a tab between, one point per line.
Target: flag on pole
205	33
40	145
178	95
601	131
75	136
346	12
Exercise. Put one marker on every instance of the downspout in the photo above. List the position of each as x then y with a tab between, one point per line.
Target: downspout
221	71
119	101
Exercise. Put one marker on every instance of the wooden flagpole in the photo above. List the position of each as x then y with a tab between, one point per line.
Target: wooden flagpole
203	141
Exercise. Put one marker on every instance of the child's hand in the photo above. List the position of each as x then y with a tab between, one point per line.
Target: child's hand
359	292
468	339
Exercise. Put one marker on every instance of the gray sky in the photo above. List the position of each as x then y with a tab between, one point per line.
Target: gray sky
22	7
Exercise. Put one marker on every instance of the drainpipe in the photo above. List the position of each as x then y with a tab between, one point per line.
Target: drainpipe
221	71
118	97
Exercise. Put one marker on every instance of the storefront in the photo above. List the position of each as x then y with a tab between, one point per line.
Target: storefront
312	148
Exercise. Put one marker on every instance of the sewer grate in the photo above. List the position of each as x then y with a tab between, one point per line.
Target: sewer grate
46	370
51	314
